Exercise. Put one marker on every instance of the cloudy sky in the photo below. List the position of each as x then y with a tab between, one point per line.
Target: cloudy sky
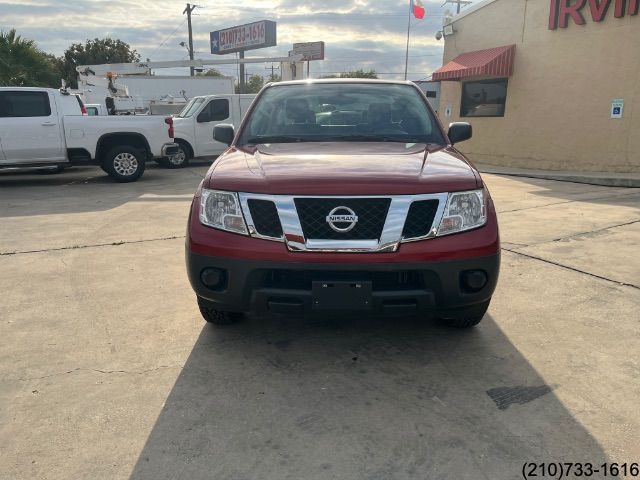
357	33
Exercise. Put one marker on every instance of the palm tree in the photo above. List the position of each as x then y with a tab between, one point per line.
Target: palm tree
23	64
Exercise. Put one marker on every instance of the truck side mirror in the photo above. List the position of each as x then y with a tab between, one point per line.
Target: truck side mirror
224	133
459	132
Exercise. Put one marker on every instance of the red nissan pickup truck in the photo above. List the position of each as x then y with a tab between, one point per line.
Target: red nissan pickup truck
343	195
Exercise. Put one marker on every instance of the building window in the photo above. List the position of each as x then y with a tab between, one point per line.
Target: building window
430	94
484	98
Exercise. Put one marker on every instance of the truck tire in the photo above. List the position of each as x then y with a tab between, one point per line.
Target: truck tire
464	317
124	163
180	159
217	317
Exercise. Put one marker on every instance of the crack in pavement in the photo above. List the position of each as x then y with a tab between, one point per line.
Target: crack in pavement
97	370
597	230
93	245
606	197
573	269
534	257
573	235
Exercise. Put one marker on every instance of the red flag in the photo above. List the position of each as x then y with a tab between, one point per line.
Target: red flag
417	8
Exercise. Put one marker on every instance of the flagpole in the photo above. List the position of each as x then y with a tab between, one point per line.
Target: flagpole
406	55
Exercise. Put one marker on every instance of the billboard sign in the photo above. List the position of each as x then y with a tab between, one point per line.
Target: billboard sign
309	50
243	37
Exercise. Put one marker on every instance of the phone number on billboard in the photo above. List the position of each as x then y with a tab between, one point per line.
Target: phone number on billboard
241	36
560	470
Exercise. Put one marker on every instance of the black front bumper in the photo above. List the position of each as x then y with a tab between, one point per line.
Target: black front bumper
250	285
169	149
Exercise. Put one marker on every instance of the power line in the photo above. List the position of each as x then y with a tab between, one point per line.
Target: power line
166	39
345	14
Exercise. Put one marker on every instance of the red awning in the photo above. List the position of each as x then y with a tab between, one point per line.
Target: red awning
497	62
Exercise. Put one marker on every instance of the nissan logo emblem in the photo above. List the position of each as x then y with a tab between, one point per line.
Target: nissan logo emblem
342	219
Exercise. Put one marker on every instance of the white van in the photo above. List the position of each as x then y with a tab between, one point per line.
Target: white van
193	126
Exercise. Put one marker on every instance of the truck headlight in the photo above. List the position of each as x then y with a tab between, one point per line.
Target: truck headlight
219	209
464	211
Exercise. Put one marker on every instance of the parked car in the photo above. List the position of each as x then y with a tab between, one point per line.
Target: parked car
194	125
380	214
40	127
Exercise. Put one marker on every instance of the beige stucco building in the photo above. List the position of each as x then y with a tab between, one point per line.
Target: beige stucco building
563	93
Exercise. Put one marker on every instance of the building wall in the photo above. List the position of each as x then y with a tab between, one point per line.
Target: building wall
558	104
430	89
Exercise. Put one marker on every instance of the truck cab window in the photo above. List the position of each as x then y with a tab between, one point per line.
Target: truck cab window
218	109
24	104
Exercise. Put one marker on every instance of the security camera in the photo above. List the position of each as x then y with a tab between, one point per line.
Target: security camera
438	35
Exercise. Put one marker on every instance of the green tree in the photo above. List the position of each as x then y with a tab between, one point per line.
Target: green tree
23	64
354	74
253	85
212	72
95	52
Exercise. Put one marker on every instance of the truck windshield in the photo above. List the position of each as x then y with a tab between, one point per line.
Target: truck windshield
190	108
341	112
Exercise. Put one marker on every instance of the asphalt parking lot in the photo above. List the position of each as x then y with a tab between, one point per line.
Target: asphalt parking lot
108	371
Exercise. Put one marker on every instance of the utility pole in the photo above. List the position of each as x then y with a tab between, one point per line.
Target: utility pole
273	72
242	79
190	8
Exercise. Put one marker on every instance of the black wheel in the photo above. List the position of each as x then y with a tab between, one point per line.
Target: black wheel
217	317
124	164
180	159
464	317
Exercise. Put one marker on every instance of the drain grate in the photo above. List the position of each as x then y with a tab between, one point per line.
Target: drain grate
504	397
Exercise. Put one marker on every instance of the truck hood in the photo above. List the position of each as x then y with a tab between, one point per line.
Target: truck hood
348	168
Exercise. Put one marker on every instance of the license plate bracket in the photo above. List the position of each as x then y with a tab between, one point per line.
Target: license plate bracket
341	295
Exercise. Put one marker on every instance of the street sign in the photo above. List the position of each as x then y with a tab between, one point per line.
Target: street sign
617	108
309	50
243	37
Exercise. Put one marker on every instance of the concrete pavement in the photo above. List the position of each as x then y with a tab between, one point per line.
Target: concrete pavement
108	371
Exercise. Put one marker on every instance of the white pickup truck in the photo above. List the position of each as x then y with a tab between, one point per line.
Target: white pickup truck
194	125
42	127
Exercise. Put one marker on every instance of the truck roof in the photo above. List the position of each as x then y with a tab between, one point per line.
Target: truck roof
342	80
38	89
